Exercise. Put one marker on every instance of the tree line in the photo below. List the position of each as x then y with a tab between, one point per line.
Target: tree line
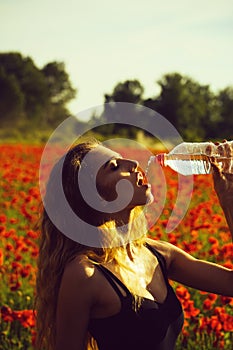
194	110
38	97
30	95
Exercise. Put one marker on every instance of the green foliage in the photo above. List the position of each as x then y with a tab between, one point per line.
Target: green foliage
189	106
33	96
194	110
11	100
225	100
59	87
128	91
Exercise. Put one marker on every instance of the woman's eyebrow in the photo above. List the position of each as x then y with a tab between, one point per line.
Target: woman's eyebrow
112	158
108	161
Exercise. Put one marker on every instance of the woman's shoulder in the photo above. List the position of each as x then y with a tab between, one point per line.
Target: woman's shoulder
164	248
80	267
77	293
80	275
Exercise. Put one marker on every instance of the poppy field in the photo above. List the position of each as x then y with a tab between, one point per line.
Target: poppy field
203	232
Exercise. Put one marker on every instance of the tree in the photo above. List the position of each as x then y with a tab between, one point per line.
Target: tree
188	105
12	99
42	93
225	125
30	81
58	83
129	91
60	92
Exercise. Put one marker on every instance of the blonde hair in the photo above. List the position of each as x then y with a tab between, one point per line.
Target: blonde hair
56	250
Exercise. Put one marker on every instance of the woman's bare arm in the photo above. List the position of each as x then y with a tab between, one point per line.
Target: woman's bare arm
75	300
200	274
195	273
223	185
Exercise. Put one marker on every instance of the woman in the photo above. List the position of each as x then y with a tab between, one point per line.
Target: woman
114	295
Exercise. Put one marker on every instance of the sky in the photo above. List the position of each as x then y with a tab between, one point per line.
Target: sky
106	42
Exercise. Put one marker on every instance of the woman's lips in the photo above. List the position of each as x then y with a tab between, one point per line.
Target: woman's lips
142	179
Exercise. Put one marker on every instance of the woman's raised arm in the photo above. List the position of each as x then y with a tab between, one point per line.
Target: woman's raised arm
223	185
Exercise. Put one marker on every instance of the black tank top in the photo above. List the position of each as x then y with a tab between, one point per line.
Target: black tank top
154	326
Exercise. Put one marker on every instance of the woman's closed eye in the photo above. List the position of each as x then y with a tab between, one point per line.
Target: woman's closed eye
114	164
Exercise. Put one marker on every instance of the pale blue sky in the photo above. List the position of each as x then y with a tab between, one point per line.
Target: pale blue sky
104	42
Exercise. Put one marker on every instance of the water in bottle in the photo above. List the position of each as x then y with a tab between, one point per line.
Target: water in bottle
194	158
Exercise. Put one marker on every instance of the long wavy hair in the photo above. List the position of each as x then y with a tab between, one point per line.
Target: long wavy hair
56	249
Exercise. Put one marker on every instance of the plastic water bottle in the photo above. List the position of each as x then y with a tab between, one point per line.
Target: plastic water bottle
190	158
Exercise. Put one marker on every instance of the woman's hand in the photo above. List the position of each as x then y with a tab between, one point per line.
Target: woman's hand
223	172
223	181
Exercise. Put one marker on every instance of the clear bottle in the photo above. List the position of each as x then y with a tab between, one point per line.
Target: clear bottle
190	158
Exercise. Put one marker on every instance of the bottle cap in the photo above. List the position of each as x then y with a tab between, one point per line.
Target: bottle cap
160	158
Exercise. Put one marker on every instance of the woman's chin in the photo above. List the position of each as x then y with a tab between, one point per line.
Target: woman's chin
150	199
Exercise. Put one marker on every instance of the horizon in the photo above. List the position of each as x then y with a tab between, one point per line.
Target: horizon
103	45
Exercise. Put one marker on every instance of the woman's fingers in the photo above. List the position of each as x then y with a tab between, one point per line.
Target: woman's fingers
217	174
224	154
229	154
223	181
209	149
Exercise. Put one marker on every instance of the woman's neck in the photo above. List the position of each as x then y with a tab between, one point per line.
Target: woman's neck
122	218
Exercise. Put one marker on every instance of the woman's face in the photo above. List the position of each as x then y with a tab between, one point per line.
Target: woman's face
113	169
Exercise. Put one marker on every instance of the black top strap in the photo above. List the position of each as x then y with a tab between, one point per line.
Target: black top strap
161	260
114	281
